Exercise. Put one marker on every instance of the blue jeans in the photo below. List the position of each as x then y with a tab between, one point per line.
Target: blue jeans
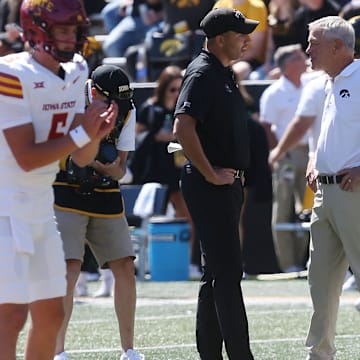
110	14
130	31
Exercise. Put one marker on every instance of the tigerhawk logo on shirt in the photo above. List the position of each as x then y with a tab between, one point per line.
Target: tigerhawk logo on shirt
344	93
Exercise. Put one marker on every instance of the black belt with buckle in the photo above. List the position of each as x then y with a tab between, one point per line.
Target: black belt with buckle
330	179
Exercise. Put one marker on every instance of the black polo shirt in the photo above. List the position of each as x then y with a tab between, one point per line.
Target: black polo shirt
211	96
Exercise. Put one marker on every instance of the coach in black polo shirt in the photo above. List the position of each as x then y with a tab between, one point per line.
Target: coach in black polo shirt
210	124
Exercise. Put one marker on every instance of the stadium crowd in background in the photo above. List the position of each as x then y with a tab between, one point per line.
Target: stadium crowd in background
279	25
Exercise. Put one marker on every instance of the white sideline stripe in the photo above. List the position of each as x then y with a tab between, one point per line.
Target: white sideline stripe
300	339
138	318
185	316
249	300
180	346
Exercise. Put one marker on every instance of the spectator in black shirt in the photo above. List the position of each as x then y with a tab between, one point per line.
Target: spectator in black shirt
308	12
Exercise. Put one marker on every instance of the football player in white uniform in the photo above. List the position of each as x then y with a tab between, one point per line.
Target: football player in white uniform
42	120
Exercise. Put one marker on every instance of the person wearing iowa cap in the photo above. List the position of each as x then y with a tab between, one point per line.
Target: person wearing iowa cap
112	82
222	20
89	205
211	125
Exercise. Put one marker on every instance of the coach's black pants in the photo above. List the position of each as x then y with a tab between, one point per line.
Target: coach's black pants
221	315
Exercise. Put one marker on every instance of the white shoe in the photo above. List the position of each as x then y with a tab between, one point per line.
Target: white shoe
81	285
102	292
350	284
357	304
92	276
61	356
107	282
132	354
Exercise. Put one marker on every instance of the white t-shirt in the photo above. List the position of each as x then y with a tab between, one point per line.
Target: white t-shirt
278	104
30	93
338	145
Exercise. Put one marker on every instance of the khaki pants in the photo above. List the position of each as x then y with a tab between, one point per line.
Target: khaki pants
289	187
335	231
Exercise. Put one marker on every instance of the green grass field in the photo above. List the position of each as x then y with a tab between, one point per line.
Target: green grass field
278	313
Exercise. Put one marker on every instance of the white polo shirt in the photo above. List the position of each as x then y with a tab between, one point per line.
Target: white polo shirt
311	104
278	104
338	145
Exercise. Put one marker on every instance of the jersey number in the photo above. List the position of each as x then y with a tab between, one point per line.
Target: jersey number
58	126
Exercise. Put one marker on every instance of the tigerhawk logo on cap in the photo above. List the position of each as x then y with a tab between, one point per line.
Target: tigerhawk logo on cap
238	14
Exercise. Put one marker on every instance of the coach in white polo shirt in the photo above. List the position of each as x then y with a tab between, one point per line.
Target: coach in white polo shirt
335	225
278	104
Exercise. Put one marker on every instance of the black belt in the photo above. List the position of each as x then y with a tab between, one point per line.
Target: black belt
238	172
330	179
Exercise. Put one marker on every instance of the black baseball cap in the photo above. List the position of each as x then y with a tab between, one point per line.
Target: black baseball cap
221	20
112	81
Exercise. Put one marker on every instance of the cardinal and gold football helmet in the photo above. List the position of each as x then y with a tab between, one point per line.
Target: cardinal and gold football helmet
38	17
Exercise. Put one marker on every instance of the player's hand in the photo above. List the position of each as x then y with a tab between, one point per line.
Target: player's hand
109	119
100	119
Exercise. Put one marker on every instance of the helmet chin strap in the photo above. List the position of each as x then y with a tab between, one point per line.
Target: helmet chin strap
63	56
59	55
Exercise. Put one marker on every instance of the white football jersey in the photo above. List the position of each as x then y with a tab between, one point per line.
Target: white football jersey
30	93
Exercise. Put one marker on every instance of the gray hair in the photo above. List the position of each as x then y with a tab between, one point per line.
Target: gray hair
335	27
283	54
